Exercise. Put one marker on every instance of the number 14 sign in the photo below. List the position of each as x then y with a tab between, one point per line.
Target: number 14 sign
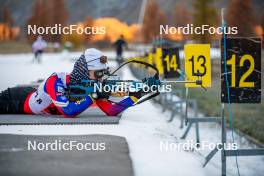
242	70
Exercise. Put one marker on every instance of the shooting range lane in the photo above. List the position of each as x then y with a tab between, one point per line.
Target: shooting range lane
144	127
90	116
16	159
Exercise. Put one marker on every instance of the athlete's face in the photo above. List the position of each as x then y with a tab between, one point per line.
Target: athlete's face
92	75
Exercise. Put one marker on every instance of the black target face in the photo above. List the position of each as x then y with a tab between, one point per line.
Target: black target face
242	70
171	62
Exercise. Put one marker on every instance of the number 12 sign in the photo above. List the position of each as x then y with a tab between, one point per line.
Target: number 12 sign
197	64
243	64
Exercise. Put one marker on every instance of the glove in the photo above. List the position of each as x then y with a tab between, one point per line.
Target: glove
151	81
73	93
102	94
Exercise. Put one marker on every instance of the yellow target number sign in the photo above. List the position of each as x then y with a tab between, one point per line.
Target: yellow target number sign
158	60
197	64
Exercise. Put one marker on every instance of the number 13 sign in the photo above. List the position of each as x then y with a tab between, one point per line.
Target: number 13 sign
198	63
243	64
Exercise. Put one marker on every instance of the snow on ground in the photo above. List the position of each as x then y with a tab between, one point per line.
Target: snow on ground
143	126
142	136
16	69
215	53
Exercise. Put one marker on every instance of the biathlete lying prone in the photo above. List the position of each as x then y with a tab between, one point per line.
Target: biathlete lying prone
51	96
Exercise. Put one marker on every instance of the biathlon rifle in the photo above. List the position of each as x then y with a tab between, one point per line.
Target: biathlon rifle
87	86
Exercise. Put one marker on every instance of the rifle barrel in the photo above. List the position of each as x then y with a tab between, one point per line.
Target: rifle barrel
178	81
160	81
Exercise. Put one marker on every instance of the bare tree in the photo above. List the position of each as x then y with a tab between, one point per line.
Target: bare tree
88	22
48	13
262	26
59	16
241	14
7	17
7	20
182	16
154	17
38	18
204	14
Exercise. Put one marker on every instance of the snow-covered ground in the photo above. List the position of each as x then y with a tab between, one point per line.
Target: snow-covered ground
143	126
16	69
215	53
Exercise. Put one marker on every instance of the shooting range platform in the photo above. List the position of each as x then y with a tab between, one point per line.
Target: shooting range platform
17	160
90	116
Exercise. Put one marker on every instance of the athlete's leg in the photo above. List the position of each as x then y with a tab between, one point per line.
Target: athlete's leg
12	100
39	56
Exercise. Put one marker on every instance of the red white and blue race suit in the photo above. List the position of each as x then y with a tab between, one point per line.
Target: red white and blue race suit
50	98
